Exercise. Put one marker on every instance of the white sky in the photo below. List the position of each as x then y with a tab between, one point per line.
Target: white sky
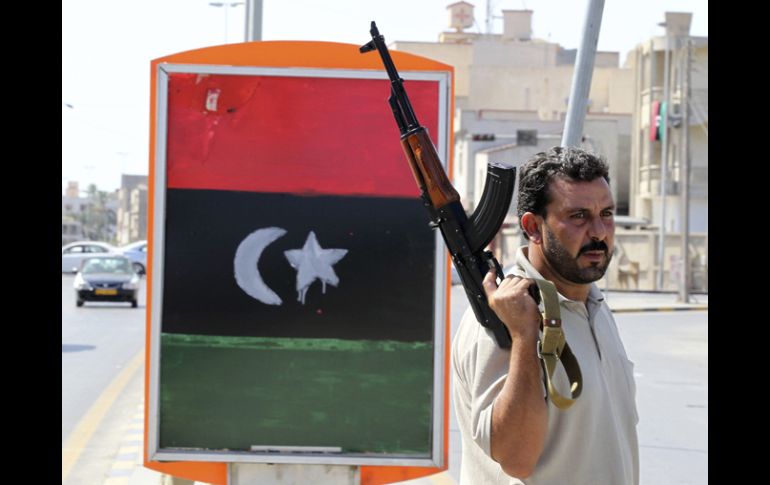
107	46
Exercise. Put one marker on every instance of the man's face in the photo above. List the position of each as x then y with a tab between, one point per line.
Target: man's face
579	229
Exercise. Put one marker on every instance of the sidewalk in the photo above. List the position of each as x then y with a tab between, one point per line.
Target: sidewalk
623	302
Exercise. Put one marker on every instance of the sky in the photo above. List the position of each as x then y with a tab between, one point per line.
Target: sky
107	46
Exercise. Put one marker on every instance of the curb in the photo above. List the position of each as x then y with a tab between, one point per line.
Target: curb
660	309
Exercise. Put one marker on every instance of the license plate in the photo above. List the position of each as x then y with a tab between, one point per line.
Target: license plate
109	291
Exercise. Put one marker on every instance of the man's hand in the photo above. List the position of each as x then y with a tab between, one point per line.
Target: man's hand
513	304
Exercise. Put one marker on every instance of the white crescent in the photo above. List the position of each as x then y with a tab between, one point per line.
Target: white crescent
246	260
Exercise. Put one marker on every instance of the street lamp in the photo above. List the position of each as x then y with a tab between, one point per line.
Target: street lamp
226	6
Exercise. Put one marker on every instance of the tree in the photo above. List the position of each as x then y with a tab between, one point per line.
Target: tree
97	219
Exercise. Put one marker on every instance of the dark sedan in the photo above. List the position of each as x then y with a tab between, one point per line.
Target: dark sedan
106	278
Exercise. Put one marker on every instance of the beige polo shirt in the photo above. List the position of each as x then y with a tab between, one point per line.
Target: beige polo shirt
594	441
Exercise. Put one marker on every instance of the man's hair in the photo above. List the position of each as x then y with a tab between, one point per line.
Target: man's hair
536	175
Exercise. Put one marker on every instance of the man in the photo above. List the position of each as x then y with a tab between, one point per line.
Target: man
512	433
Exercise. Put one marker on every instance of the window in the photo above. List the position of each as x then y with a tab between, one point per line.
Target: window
107	265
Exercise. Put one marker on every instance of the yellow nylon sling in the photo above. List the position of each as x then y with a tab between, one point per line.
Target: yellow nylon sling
553	348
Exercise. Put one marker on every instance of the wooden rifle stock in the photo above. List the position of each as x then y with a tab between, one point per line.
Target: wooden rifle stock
427	169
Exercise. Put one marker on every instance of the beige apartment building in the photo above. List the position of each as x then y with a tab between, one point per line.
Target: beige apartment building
132	209
681	60
511	84
511	81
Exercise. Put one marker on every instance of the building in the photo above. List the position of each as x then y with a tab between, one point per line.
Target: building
663	132
71	208
511	96
86	217
648	61
483	131
132	209
71	230
511	81
138	213
71	202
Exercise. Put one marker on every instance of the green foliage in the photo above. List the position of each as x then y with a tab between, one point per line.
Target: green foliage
97	219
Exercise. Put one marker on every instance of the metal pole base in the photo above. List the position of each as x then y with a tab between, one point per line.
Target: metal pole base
291	474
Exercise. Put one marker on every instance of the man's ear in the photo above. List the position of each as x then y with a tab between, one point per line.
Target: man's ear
531	224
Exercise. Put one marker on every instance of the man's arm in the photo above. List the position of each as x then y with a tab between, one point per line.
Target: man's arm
519	413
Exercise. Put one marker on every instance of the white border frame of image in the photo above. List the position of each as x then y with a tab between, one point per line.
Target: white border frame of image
154	453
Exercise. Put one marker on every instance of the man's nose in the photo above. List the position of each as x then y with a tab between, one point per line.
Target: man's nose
598	230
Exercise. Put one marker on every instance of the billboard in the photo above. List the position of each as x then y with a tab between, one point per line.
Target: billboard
298	302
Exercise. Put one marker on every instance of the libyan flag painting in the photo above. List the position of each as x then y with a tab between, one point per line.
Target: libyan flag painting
300	296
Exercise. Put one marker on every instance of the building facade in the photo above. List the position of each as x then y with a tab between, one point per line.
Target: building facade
88	217
511	81
687	59
669	155
132	209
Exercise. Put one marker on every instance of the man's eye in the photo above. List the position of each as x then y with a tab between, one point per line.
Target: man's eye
608	214
578	215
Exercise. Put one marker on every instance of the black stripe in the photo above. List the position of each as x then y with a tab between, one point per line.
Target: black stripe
386	278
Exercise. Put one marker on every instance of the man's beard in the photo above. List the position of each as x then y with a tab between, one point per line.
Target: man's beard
567	266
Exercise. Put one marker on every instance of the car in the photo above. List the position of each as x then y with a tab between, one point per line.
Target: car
109	277
137	253
73	254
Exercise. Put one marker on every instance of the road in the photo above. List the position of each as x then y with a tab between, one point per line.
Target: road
670	352
100	343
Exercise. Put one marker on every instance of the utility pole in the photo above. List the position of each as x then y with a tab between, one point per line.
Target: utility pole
253	20
684	288
489	17
581	79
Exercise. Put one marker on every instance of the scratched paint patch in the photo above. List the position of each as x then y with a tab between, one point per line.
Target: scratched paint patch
212	98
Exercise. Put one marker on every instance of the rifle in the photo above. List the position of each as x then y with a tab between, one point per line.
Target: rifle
465	238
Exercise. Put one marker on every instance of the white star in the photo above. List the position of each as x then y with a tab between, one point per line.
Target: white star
313	262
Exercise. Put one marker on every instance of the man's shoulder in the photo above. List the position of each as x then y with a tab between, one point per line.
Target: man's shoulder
467	333
474	344
470	336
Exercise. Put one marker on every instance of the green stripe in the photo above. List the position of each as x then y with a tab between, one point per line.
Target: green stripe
229	393
328	344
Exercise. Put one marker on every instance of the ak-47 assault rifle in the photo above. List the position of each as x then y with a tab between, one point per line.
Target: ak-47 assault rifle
466	238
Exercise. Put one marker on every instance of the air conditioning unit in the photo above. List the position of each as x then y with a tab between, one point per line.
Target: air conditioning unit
526	137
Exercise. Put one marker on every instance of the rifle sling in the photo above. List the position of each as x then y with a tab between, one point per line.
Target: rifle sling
553	348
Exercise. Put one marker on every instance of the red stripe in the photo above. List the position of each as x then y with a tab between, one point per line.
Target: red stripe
292	135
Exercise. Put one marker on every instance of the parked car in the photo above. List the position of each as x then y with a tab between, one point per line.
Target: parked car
137	253
106	278
73	254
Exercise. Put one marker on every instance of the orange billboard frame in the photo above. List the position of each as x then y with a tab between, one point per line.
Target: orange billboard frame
289	54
